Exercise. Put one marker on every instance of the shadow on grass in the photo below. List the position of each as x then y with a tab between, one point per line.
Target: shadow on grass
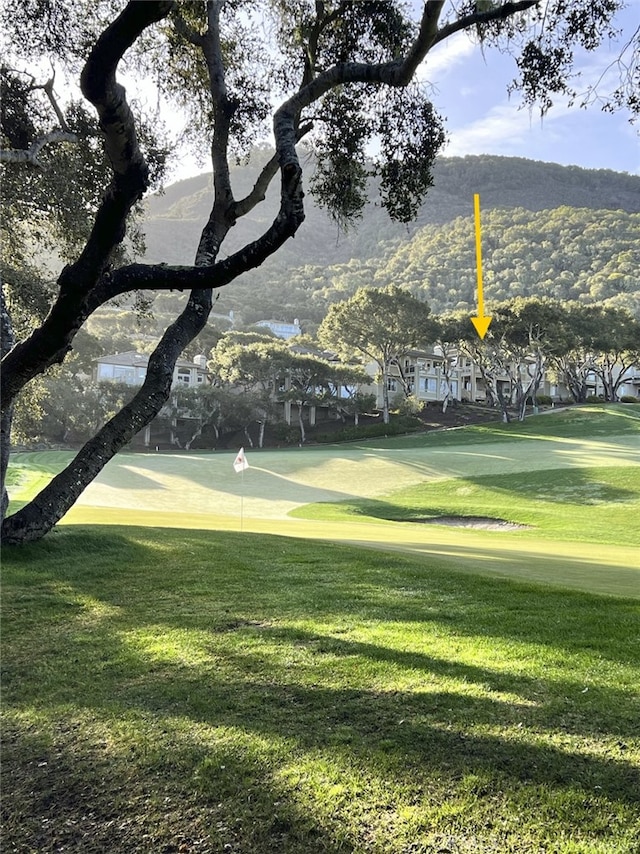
67	790
165	574
88	669
82	781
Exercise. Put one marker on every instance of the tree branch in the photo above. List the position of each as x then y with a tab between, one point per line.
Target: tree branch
185	30
48	88
269	171
30	155
499	13
51	341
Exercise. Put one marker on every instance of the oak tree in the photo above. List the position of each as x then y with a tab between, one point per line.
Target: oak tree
340	74
381	326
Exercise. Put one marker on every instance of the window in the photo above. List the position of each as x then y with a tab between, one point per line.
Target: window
105	372
184	376
429	384
392	384
124	375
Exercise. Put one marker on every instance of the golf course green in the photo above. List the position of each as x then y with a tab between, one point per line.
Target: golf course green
570	481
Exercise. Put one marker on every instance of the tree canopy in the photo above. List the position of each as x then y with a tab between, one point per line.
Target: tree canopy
342	75
378	325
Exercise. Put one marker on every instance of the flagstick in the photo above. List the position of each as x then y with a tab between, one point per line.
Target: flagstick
240	464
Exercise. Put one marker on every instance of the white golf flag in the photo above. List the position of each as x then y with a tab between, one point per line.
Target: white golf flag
240	463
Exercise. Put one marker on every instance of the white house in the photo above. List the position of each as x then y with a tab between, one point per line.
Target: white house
131	368
281	328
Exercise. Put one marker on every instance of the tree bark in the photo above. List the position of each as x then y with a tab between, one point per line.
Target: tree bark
50	343
39	516
385	394
6	343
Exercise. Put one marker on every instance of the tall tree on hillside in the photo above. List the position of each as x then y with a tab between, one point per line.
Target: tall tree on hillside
307	383
574	365
450	330
528	333
380	325
346	395
525	335
342	74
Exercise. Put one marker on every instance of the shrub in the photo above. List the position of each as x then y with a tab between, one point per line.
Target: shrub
411	406
543	400
286	433
595	398
629	398
396	426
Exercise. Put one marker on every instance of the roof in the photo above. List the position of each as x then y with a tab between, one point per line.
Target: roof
131	359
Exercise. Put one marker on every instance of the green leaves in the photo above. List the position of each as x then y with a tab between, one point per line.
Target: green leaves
411	136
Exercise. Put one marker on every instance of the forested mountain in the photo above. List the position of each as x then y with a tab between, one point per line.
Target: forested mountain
547	229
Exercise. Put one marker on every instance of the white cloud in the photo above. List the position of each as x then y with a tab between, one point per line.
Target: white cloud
587	138
445	57
503	130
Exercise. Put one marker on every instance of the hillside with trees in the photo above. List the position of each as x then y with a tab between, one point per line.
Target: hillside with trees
550	230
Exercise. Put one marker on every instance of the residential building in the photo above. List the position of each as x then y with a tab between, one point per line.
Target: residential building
281	328
425	375
631	383
131	368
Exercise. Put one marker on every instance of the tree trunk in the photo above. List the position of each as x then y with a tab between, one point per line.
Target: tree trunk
504	405
605	372
6	343
303	435
522	405
198	432
39	516
385	395
87	284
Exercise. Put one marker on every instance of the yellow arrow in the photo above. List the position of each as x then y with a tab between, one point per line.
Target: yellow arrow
482	321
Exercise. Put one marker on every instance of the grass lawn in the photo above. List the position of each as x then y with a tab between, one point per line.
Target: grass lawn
572	476
188	686
202	691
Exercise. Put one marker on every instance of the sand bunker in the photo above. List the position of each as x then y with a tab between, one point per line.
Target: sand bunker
485	523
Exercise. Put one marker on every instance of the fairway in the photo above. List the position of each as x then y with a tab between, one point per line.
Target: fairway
572	477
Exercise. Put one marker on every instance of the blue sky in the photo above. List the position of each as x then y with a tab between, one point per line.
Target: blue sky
470	90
